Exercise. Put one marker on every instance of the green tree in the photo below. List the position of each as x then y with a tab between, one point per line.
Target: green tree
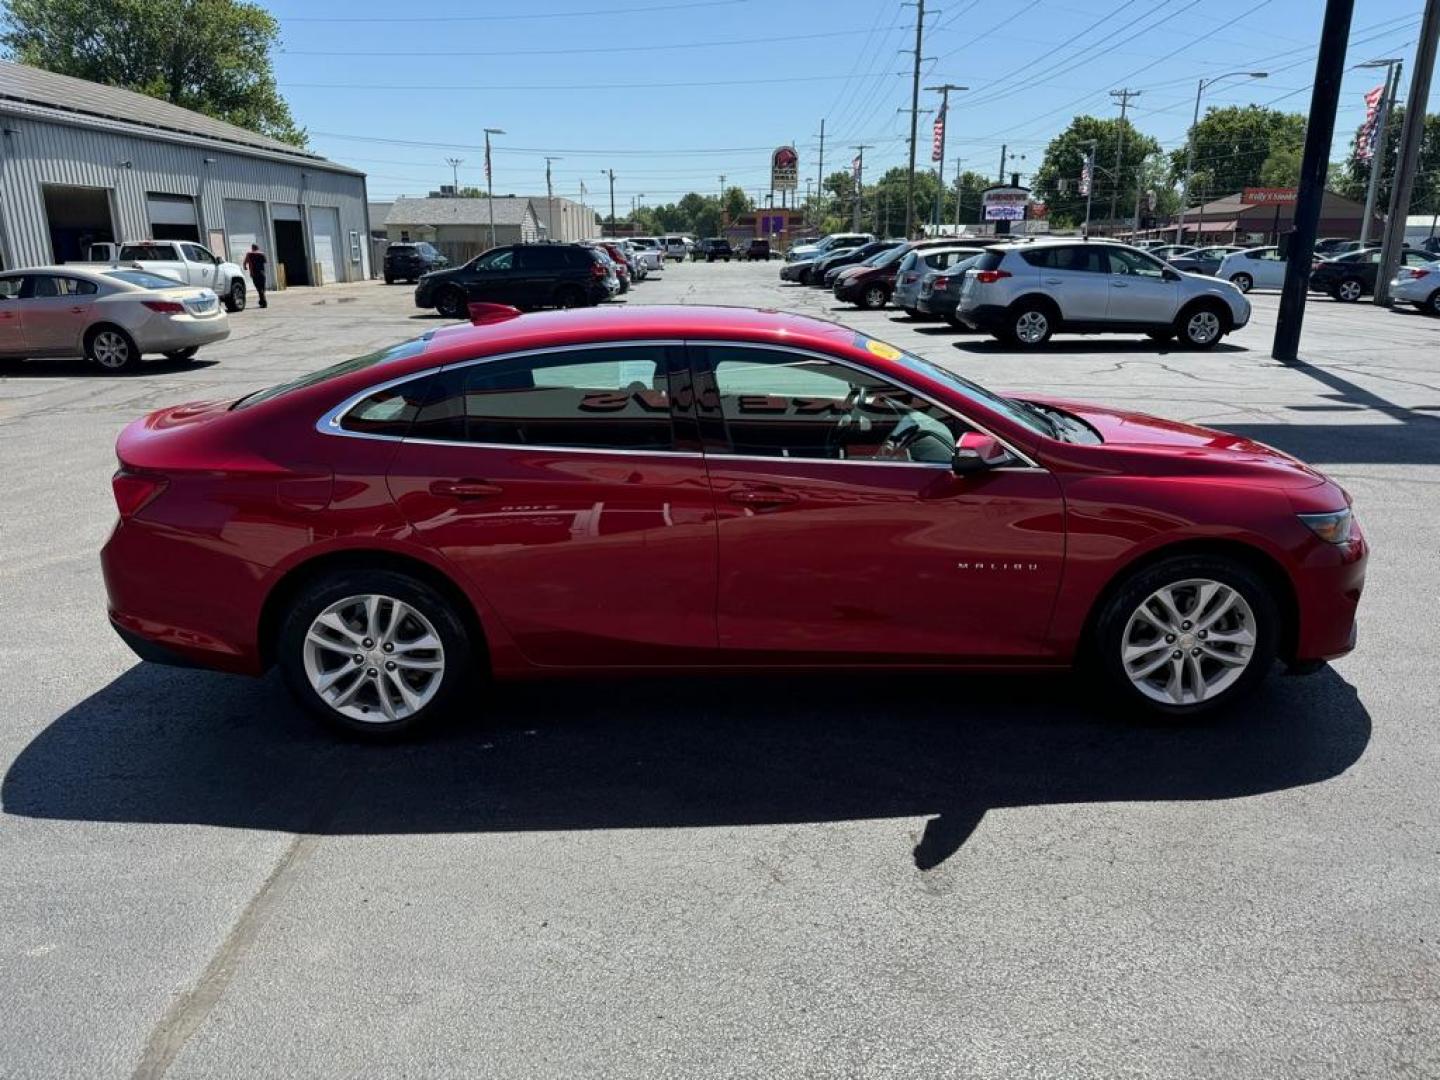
1057	181
1282	167
1351	178
1233	144
212	56
737	203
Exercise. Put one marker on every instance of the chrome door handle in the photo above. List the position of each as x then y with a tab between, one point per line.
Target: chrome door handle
1053	280
464	489
77	311
751	497
1119	284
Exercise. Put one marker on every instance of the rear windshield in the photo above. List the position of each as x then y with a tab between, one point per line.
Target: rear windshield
136	252
335	371
144	279
989	261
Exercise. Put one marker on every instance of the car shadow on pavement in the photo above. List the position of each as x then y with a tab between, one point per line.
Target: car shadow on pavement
164	745
1055	346
60	369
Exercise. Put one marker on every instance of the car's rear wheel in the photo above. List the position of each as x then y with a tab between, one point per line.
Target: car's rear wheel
1029	325
112	348
873	296
1200	327
1188	635
235	297
182	354
1432	305
374	653
450	302
568	296
1349	291
1243	282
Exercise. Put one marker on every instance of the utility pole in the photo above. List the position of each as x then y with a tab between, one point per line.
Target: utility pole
1380	149
1411	135
611	174
959	176
550	200
455	163
1124	96
859	180
720	210
914	118
1139	183
490	181
820	174
938	153
585	213
1190	147
1003	148
1324	99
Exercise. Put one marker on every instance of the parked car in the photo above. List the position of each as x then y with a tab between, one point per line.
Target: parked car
497	498
1253	268
406	262
1024	293
758	249
183	260
1334	245
648	252
871	283
623	260
612	269
524	276
1349	277
940	291
826	268
918	265
112	317
677	247
1170	251
714	249
830	242
1419	286
1202	260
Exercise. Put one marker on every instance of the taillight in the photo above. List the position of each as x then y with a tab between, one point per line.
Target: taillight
1414	274
597	270
989	277
135	490
165	307
941	283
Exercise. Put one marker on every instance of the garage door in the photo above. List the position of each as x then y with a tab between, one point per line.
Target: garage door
172	217
244	225
325	243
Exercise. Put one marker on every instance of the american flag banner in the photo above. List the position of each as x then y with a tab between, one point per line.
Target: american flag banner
1369	131
855	168
937	142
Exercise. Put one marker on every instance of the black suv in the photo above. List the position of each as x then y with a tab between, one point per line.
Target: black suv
758	249
524	276
408	261
713	249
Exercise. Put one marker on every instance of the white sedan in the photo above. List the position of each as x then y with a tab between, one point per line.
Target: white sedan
111	316
1254	268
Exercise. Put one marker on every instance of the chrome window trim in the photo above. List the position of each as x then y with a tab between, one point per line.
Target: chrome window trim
329	423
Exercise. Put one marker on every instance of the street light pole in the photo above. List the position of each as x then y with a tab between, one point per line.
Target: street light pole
938	154
490	181
455	163
550	200
1190	144
1379	151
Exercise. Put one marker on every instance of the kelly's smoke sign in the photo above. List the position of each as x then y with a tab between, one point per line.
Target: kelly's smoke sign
784	169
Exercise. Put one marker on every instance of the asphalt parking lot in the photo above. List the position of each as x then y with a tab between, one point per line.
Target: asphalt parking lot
817	876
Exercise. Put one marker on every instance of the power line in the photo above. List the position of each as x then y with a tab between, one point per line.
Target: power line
410	19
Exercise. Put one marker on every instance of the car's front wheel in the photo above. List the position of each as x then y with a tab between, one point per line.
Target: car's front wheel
1349	291
235	297
873	296
1201	327
450	302
1187	635
1243	282
374	653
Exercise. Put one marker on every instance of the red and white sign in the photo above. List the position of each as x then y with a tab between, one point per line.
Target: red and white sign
1268	196
784	169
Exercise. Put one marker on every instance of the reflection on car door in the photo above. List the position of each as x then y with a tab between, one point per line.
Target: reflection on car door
556	482
844	536
12	320
1076	278
56	311
1139	292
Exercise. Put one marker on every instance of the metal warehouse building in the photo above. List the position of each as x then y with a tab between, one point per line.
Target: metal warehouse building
82	163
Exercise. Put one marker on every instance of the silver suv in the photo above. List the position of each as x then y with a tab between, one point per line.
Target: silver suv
1024	292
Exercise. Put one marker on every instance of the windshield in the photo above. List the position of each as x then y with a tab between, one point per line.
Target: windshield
395	352
888	256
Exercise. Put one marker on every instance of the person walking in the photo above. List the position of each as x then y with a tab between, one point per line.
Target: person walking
254	265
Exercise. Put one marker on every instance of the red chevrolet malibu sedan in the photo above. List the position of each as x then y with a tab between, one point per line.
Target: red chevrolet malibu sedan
666	488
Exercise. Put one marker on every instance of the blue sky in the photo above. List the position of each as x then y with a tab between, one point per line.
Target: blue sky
673	94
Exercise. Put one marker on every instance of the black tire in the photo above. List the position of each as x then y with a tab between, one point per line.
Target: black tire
911	313
451	302
1108	634
1432	305
1029	325
1201	326
954	320
458	651
1243	282
112	349
234	298
389	279
803	277
569	296
182	354
873	296
1348	291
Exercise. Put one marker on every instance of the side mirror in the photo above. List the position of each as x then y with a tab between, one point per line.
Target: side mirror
976	453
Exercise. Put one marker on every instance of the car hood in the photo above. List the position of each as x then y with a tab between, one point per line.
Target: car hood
1168	447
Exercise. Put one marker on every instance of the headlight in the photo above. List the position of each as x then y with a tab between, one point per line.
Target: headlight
1333	528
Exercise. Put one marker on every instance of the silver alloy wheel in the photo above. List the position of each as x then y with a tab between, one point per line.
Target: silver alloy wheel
1435	302
1349	290
1188	641
1032	327
111	349
1243	282
374	659
1203	327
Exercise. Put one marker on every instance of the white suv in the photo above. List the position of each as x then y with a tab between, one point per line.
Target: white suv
1024	292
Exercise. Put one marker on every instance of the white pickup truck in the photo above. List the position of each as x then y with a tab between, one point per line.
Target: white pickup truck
185	261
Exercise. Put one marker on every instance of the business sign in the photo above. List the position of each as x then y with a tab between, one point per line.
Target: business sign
1268	196
784	169
1004	203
